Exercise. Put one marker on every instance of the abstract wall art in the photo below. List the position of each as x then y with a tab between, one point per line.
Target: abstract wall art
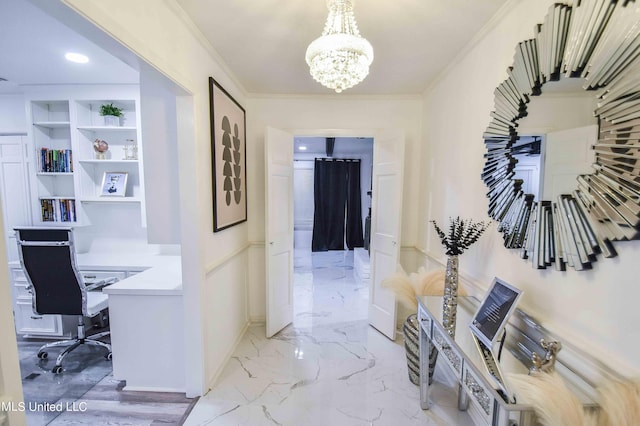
228	153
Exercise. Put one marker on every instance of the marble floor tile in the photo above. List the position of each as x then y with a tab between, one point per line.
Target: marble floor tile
328	367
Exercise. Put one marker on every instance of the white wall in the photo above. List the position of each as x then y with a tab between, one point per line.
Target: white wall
10	382
304	115
597	309
12	121
214	265
158	123
13	114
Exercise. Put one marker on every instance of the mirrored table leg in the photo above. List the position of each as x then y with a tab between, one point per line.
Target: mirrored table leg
463	398
425	350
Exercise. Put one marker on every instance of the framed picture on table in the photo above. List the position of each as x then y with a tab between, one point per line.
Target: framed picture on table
228	152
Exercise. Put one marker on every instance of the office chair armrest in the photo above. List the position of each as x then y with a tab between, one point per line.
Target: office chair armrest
96	285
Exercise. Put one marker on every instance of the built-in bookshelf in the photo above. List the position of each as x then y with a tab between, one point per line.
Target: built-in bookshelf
53	154
68	171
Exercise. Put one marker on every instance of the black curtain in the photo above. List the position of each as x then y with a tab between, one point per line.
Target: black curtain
354	206
336	188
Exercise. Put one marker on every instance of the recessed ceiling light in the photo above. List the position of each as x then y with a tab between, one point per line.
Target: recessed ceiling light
302	148
76	57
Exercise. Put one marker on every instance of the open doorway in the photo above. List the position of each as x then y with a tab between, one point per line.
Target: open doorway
331	261
386	210
108	226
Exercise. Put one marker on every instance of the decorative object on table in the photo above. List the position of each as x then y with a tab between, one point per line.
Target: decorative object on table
406	288
130	150
548	362
619	402
553	402
228	151
340	57
556	405
462	234
111	114
100	147
114	184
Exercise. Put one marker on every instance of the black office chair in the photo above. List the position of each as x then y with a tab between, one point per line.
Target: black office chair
47	256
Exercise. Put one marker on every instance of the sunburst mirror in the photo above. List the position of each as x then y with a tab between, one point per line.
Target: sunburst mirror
597	41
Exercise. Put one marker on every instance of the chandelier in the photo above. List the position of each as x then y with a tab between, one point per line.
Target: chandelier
339	58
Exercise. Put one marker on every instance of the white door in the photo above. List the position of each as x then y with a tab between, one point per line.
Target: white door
14	188
568	153
388	160
279	229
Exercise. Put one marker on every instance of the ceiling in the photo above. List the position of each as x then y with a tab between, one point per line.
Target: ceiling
32	48
263	43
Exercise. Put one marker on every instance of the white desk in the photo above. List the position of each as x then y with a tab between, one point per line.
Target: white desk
146	317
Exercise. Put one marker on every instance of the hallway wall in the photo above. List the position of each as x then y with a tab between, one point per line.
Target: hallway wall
596	310
214	264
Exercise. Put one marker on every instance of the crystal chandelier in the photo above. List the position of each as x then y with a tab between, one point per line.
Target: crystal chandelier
339	58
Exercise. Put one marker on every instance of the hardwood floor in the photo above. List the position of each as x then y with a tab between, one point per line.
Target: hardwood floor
87	394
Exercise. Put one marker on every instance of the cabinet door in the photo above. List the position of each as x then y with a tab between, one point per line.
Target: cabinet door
27	322
14	188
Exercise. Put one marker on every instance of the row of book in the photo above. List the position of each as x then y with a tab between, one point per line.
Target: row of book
56	160
600	41
58	210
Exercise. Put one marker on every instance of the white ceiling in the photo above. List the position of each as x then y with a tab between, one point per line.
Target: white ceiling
32	48
262	42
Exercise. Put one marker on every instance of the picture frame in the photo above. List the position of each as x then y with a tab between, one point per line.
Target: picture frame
228	158
114	184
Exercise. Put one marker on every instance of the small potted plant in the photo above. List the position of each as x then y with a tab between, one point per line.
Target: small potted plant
111	114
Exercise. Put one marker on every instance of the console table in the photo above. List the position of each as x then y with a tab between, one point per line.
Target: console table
463	360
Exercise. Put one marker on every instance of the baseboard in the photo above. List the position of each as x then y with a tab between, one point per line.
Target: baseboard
258	320
214	377
152	389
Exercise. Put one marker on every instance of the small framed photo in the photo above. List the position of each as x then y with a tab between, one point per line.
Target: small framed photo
114	184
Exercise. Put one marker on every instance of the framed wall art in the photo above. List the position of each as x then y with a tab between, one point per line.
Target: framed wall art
114	184
228	158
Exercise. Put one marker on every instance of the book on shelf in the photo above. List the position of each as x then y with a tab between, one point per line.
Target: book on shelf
58	210
56	160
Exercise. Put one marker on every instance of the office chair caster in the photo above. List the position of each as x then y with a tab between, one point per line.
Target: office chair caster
43	355
57	369
109	356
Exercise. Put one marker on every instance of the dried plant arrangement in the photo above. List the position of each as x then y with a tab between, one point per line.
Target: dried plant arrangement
462	234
